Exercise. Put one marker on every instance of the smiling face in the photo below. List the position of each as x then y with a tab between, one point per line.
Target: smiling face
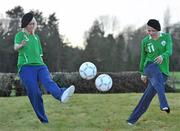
152	32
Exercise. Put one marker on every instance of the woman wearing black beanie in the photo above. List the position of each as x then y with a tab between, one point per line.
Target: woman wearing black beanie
33	70
156	48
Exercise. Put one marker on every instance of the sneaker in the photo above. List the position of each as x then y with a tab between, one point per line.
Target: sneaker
166	109
131	124
67	94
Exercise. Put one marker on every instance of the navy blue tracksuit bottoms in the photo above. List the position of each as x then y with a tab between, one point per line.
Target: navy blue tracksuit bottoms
156	82
30	77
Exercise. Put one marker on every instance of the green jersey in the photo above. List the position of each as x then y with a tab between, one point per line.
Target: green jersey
31	53
150	49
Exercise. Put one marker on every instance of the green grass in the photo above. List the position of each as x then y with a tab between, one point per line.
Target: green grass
89	112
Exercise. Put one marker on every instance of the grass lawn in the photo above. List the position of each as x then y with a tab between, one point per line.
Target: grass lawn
89	112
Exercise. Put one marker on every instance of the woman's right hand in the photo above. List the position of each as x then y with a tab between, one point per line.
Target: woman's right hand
144	78
23	43
19	46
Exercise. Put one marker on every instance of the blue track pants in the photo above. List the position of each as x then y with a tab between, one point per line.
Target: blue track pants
156	82
30	77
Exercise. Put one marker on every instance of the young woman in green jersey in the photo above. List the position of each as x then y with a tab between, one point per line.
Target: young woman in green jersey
154	68
33	70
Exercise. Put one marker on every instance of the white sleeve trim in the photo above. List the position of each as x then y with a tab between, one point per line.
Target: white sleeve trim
17	46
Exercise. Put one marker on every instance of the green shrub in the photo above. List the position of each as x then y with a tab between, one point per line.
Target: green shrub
122	82
10	84
6	80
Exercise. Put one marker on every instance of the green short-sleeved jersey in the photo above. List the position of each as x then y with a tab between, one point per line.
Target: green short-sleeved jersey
150	49
31	53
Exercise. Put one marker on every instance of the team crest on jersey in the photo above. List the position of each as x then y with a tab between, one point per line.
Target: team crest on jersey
163	43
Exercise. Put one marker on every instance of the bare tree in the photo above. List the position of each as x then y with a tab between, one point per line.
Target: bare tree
167	18
111	24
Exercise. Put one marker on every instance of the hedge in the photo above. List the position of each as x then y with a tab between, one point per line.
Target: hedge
123	82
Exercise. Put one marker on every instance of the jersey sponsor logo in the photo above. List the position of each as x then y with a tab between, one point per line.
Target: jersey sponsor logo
163	43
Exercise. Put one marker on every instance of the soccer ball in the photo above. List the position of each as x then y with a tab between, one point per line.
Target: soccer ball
87	70
103	82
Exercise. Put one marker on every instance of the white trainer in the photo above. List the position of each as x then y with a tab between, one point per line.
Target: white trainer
165	108
67	94
131	124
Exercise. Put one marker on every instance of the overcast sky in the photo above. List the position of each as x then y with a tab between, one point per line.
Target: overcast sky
77	16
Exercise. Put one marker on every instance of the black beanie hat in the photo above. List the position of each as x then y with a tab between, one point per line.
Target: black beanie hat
155	24
26	19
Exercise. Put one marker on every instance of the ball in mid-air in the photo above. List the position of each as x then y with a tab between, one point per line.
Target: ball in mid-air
103	82
87	70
